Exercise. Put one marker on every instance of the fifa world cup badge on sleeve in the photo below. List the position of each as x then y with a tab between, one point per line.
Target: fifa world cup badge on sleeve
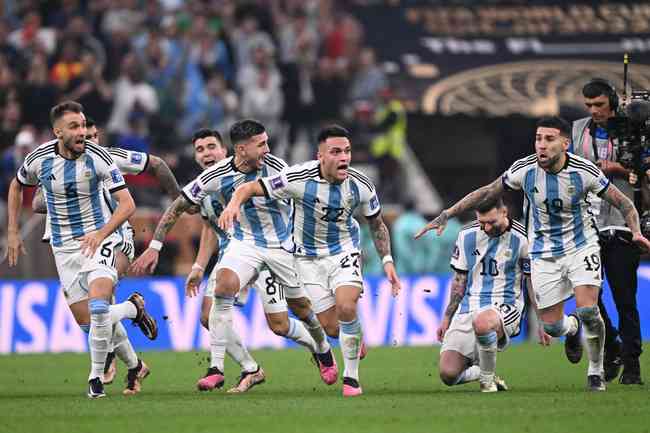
277	182
116	176
136	158
456	252
374	202
195	190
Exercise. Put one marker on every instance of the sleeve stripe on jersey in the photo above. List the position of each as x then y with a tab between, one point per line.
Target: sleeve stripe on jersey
207	177
274	162
361	178
38	153
470	226
523	164
24	184
524	161
591	169
519	228
301	175
105	156
119	152
266	191
117	188
146	163
460	271
189	200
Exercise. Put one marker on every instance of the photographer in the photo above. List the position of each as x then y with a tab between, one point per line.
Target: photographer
619	257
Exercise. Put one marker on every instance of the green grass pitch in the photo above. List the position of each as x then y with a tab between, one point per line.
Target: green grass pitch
46	393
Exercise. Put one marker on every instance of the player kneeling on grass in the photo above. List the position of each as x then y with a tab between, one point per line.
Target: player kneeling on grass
486	303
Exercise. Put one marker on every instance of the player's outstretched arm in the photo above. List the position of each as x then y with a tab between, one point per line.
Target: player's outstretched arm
619	200
148	260
15	245
466	203
242	194
125	208
38	202
458	287
381	238
207	246
159	168
544	338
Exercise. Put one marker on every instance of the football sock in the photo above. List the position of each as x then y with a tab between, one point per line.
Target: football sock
594	328
123	347
317	332
99	337
298	333
220	321
487	355
350	338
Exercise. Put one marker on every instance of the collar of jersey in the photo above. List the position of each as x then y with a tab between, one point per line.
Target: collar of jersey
56	152
566	164
234	167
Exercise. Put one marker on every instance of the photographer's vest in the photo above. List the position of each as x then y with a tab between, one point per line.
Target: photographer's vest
392	141
584	136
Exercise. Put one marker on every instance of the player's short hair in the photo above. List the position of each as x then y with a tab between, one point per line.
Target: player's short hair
59	110
555	122
90	122
207	132
487	204
332	131
244	130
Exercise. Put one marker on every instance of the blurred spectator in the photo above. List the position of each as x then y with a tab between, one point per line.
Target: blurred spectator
78	30
246	38
90	89
329	91
262	98
135	137
9	52
31	37
67	65
387	147
13	157
368	78
130	93
38	95
10	121
60	17
123	17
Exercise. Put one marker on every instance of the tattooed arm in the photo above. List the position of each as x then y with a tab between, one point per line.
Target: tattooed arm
617	199
148	261
381	238
458	287
466	203
159	168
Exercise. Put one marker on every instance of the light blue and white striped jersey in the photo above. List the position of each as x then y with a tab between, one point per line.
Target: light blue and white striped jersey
129	162
211	209
264	222
72	188
558	213
323	222
494	266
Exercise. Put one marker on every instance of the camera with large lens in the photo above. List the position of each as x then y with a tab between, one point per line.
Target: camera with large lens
630	132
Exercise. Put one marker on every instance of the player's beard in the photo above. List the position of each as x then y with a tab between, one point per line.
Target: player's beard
69	144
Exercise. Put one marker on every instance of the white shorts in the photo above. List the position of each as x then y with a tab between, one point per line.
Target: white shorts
460	336
248	261
323	275
555	279
270	291
77	271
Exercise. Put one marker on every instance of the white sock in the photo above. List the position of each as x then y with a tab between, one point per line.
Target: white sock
317	333
350	340
238	352
99	337
470	374
594	329
298	333
124	310
122	346
569	325
487	356
220	321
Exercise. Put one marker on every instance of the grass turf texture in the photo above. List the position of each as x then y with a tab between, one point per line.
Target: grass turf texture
46	393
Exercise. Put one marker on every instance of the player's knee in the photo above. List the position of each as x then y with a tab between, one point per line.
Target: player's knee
332	330
346	311
227	284
279	327
554	329
482	325
589	315
448	376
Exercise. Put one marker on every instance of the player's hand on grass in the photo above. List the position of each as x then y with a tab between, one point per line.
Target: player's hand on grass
146	263
90	242
15	248
229	215
438	224
193	281
641	241
391	274
442	330
544	338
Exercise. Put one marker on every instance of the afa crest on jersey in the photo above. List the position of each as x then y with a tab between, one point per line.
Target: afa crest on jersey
116	176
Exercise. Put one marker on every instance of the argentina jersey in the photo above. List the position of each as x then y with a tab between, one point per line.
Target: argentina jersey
494	266
556	205
72	189
211	209
128	162
323	220
263	222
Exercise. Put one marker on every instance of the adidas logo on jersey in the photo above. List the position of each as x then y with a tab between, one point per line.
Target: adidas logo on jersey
476	253
273	301
51	177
